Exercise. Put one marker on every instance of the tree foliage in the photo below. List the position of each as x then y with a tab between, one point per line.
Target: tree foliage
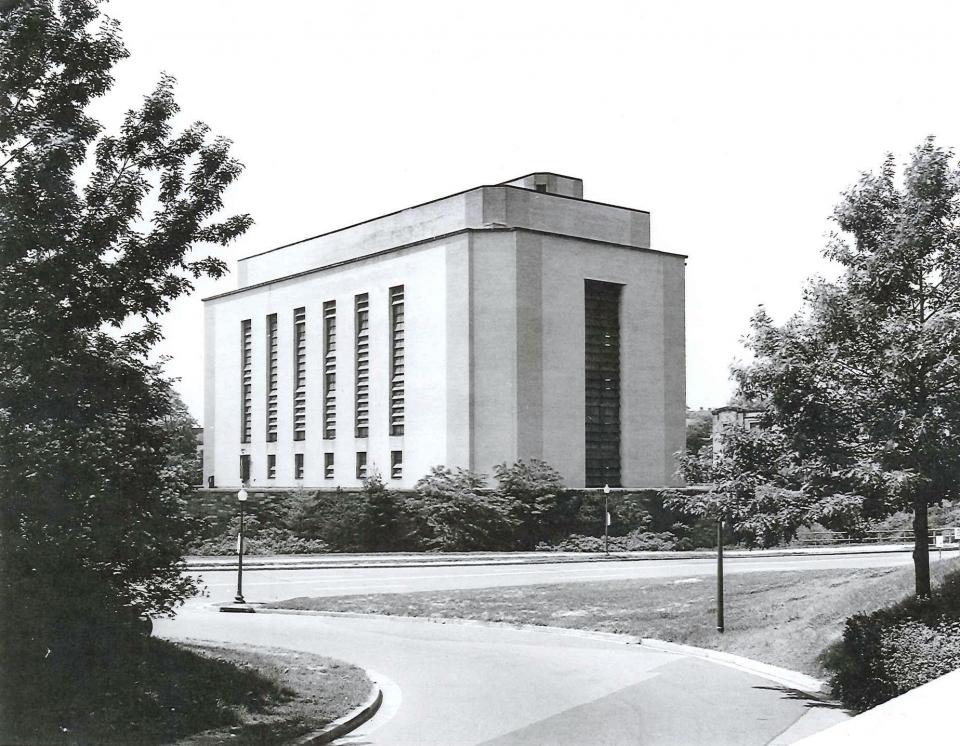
699	430
757	489
459	512
864	384
539	505
94	450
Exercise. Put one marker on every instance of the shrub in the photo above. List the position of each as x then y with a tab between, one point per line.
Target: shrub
386	523
636	541
574	543
886	653
456	512
452	510
257	540
538	503
648	541
858	678
914	653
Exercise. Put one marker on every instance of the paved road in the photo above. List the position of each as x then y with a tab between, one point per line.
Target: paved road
458	685
272	585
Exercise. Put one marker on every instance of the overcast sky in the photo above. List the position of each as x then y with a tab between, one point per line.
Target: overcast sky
736	124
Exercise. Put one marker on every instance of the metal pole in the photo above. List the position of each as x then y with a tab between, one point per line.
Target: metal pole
606	527
719	575
239	598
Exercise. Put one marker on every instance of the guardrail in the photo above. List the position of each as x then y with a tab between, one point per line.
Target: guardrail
948	536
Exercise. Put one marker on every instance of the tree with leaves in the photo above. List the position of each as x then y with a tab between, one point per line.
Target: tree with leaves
864	384
384	524
756	487
458	512
540	505
699	430
96	234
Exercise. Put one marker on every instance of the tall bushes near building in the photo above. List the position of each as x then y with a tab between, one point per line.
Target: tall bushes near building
374	519
451	510
385	523
456	512
539	504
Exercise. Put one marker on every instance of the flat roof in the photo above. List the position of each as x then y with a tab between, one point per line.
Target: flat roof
502	185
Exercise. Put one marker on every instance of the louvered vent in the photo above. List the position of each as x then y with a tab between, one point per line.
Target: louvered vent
330	369
272	378
396	361
246	381
602	361
362	414
300	374
328	466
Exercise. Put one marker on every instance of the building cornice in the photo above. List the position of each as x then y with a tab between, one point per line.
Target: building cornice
431	239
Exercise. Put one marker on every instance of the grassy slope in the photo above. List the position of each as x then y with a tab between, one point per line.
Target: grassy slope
783	618
188	694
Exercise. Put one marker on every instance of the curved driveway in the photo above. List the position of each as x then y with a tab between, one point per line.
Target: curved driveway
455	684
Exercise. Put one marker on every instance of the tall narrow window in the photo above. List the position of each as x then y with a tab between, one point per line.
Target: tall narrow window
361	464
244	468
272	378
396	464
271	466
328	466
362	414
602	395
300	374
330	369
298	466
396	361
246	381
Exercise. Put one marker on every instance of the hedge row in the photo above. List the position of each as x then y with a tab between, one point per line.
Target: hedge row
449	510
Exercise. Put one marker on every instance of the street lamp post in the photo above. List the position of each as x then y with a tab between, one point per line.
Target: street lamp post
242	498
606	519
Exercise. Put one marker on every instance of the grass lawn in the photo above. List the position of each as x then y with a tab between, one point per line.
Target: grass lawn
783	618
192	694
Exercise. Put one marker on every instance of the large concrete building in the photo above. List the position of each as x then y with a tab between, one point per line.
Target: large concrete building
512	321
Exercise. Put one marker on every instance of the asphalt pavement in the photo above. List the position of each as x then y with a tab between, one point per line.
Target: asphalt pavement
460	685
456	684
262	584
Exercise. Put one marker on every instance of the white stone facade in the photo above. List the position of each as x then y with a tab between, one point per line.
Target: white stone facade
494	336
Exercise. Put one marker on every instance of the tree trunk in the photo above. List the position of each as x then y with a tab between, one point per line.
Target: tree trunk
921	547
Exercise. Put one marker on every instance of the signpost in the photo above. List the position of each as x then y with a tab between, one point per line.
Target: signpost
606	519
720	575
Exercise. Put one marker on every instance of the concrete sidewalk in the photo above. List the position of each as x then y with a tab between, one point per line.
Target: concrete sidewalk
446	559
926	714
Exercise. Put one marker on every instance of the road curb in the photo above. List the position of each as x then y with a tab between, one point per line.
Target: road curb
796	680
347	723
250	564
